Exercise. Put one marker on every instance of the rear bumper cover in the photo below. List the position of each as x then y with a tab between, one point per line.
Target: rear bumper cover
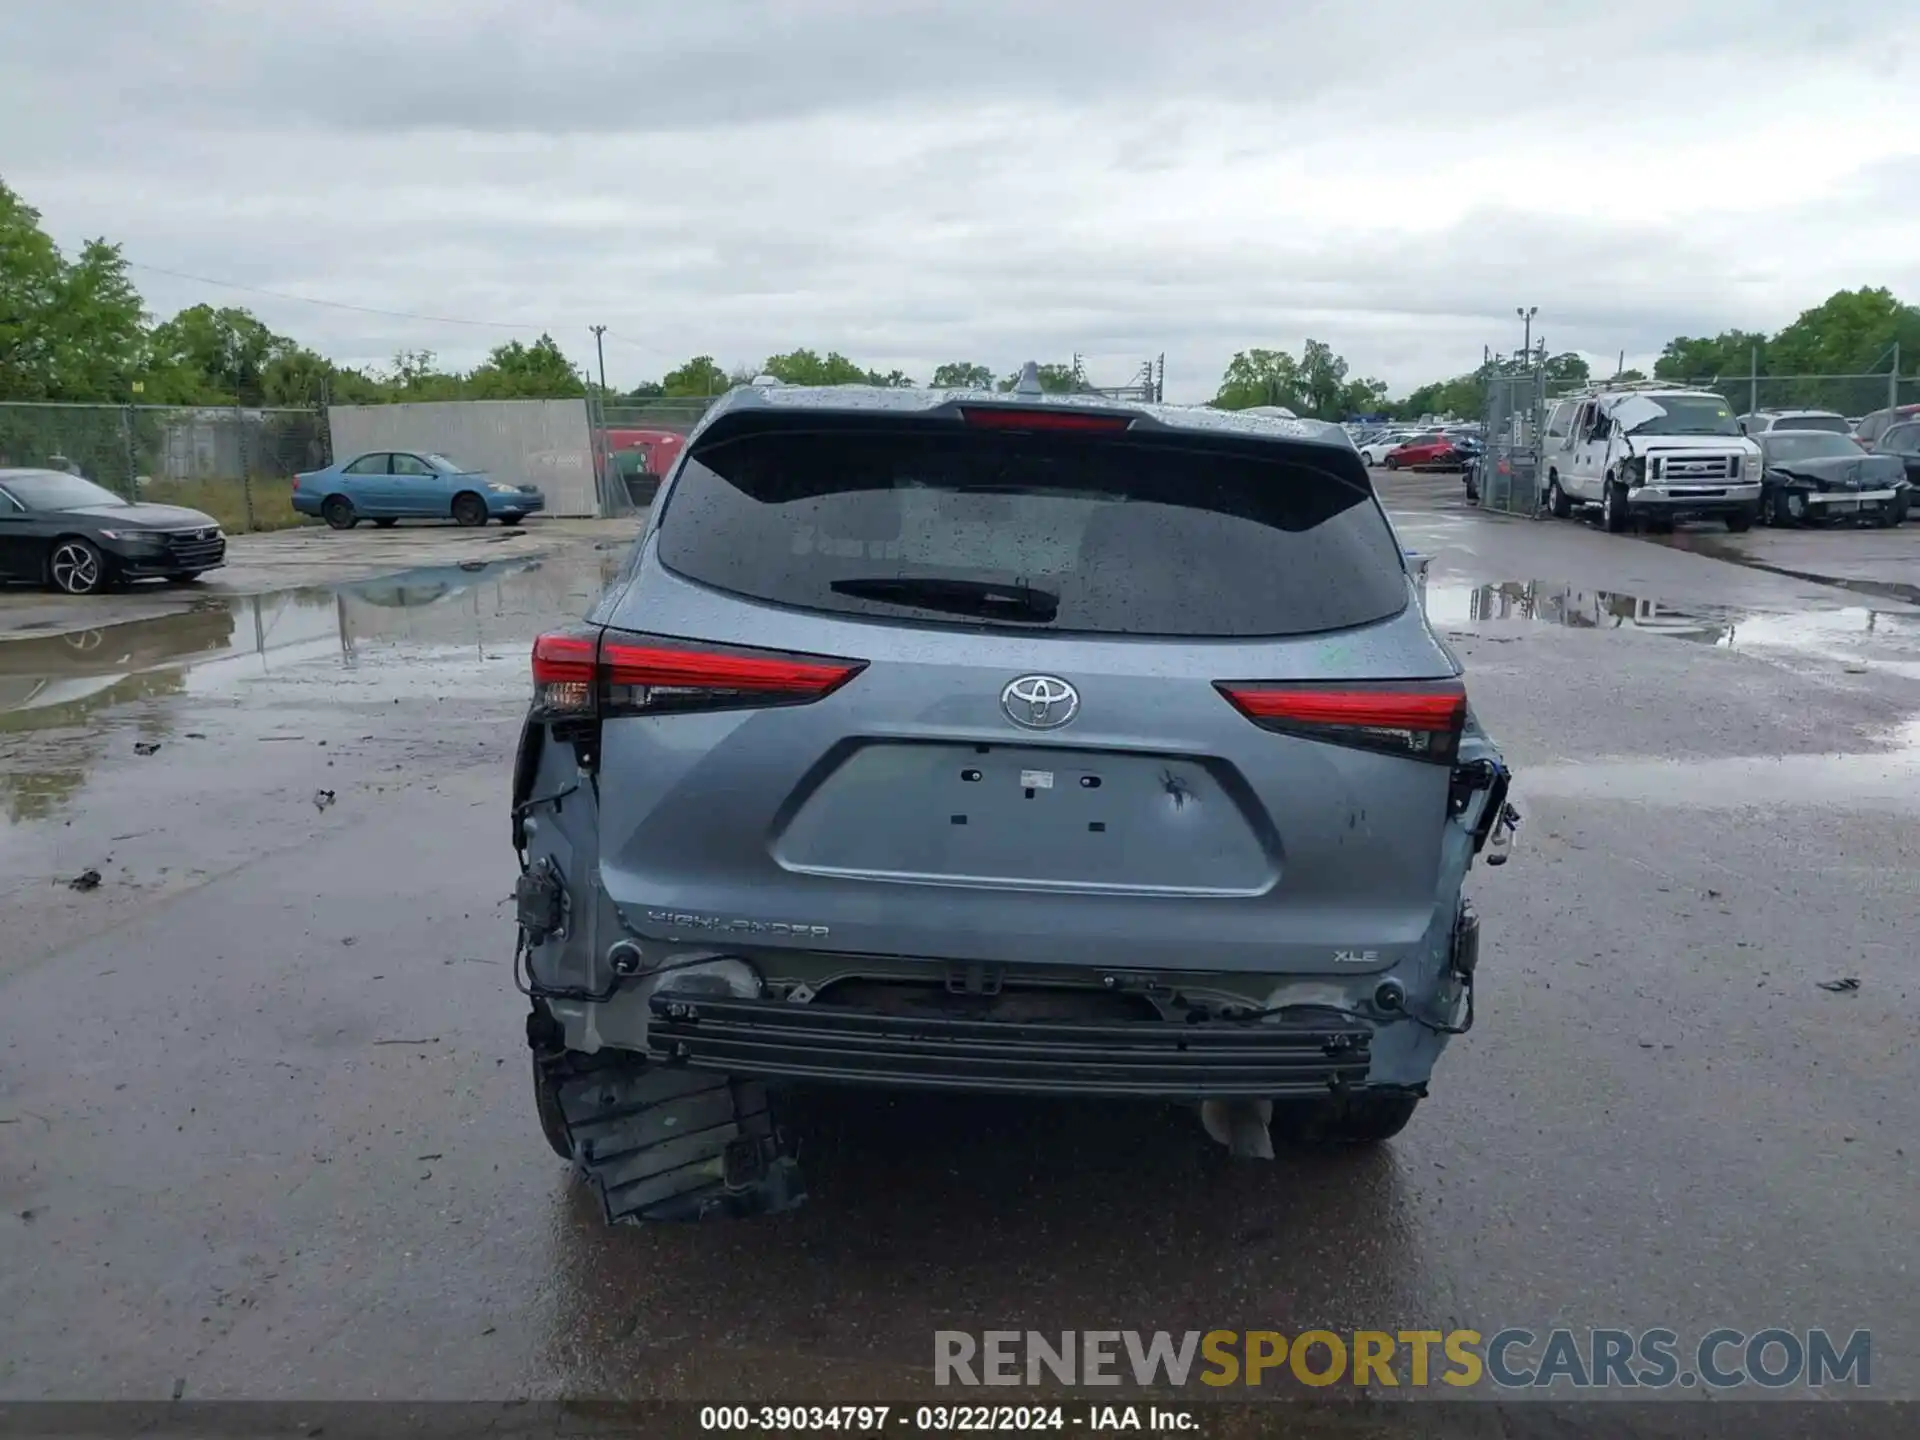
1308	1054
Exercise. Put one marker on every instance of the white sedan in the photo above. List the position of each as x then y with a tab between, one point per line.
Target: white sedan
1374	452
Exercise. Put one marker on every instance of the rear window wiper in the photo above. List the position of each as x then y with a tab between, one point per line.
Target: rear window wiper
985	598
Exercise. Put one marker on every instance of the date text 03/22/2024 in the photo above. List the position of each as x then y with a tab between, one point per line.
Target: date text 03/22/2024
943	1419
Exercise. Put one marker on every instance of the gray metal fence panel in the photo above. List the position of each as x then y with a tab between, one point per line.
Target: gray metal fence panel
1516	416
547	442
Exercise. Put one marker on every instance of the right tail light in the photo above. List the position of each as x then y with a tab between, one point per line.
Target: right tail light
1422	721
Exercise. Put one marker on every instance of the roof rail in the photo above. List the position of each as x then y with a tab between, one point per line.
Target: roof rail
1593	387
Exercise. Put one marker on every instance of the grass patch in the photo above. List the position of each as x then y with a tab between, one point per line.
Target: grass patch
226	501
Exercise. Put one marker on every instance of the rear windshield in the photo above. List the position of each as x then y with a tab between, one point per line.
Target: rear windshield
1136	536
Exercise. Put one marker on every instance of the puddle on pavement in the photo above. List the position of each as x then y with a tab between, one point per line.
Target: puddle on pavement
362	640
1451	603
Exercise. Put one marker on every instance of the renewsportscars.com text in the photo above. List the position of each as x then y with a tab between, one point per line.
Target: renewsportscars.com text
1510	1359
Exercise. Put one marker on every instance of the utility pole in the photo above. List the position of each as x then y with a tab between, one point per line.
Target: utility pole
597	423
600	353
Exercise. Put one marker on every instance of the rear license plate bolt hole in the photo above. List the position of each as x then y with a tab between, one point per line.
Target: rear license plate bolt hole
956	819
1098	827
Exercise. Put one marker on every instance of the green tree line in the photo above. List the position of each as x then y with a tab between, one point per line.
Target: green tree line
1850	333
74	328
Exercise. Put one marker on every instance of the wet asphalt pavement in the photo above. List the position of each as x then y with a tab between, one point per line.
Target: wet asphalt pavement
266	1127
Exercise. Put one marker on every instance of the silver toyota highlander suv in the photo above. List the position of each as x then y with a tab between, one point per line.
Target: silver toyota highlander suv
993	742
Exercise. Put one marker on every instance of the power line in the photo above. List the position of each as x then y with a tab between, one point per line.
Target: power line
519	325
335	304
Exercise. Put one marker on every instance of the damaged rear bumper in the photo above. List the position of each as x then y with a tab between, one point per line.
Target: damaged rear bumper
675	1144
1307	1055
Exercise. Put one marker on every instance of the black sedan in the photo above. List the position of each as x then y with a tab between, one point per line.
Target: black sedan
1811	476
69	533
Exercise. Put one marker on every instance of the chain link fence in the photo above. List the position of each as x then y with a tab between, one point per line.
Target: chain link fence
235	464
635	443
1851	395
1509	479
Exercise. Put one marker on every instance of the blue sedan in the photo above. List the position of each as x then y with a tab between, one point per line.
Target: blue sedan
386	486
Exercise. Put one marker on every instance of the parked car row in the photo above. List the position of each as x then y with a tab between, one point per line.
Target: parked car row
1647	454
59	529
1436	448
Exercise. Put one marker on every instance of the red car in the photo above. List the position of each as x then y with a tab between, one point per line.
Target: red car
1424	452
645	451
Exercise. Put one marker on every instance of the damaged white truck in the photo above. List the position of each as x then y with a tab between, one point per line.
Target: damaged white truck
1649	454
999	743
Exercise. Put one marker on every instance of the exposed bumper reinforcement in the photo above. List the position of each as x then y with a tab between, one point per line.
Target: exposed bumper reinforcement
1267	1059
677	1144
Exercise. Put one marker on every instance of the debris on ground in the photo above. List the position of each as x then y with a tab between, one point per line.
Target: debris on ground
322	799
430	1040
1845	985
1241	1126
85	880
145	747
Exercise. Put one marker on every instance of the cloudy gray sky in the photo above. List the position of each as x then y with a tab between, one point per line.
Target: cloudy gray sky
995	180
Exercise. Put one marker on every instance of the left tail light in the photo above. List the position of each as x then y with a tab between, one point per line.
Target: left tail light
585	673
1422	721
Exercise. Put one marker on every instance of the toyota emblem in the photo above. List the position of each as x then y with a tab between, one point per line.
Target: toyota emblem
1040	702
